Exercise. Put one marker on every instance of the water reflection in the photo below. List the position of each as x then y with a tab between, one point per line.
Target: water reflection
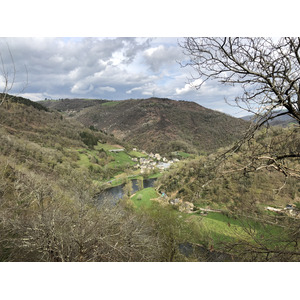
114	194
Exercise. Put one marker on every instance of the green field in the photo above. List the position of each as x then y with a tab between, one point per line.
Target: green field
122	159
137	154
110	103
106	147
183	154
220	228
83	160
146	195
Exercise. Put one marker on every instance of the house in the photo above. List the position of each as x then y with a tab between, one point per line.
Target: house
270	208
157	156
116	150
289	206
163	166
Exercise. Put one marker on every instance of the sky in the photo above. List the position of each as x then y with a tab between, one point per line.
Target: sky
115	68
120	49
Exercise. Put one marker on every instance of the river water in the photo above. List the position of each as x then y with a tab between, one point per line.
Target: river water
114	194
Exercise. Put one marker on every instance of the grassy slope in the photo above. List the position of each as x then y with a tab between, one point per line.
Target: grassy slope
146	194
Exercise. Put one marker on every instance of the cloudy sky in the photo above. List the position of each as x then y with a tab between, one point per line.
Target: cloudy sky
106	68
121	68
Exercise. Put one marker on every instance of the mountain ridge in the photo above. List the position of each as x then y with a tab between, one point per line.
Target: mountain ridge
160	124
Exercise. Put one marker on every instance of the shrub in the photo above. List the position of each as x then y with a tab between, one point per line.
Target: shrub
89	139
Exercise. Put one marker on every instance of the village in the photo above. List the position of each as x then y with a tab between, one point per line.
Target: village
153	161
148	162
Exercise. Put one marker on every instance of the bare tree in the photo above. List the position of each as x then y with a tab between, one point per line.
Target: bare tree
7	79
8	76
266	70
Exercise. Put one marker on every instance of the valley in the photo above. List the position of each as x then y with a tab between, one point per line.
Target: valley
74	185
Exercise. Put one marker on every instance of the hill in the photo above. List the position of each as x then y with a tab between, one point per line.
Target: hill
282	121
161	125
50	173
70	104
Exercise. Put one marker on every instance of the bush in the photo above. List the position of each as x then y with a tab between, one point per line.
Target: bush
89	139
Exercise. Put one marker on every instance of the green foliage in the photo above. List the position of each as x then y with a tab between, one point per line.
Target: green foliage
27	102
137	154
89	139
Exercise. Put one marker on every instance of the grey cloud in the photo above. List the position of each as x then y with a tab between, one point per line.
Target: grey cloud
108	68
162	56
54	63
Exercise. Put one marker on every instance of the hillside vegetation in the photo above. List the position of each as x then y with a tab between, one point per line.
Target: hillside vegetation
240	189
71	104
205	208
50	169
160	125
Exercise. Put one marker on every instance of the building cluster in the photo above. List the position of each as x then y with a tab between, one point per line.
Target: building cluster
153	161
290	209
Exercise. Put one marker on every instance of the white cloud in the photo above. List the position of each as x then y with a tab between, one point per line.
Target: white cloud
33	96
74	73
134	89
81	88
107	89
146	93
189	87
151	51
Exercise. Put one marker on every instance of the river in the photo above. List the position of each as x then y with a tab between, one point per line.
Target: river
114	194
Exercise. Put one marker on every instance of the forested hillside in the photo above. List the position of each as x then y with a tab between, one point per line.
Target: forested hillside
250	185
47	195
160	125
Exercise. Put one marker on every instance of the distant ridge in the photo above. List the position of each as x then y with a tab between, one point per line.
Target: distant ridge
27	102
70	104
157	124
283	121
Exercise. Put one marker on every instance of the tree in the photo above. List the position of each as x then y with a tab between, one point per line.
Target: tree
8	76
7	83
266	70
141	183
127	189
